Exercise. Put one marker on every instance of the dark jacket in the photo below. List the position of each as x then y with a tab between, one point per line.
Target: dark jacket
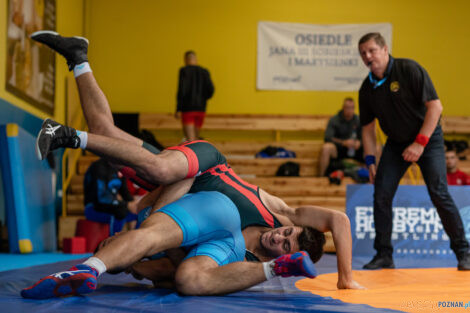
194	89
339	127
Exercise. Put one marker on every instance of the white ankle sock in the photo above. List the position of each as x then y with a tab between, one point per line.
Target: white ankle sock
83	139
268	268
81	69
97	264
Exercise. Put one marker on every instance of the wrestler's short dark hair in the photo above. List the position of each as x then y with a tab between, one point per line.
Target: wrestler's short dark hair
312	241
378	38
188	53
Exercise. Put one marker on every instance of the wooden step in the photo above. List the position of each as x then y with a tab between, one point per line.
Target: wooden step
301	186
67	227
459	125
335	203
269	167
303	149
464	166
75	204
250	122
84	163
259	122
306	191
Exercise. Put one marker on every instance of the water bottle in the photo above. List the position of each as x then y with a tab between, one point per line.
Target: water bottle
351	152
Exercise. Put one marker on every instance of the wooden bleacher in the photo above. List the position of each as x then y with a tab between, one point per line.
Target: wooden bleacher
456	125
251	122
296	191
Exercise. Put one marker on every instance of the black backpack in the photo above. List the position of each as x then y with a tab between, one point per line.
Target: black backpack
288	169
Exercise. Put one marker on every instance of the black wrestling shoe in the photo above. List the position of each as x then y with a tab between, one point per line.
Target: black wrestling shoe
380	261
74	49
464	262
54	135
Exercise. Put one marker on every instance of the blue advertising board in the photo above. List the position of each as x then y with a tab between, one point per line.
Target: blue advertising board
417	228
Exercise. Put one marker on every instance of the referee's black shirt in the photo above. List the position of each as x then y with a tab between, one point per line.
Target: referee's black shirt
398	103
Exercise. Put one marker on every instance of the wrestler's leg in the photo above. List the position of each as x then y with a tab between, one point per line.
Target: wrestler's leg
198	123
164	168
92	99
189	131
158	233
97	111
100	121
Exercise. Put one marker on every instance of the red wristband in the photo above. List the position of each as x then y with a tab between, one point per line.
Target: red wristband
422	139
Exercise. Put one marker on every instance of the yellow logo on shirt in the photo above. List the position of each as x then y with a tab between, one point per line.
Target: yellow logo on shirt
394	86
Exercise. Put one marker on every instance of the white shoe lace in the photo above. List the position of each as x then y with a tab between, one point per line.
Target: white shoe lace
66	274
50	130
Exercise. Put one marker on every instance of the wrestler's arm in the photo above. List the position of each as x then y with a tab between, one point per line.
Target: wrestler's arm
160	271
157	271
323	220
164	195
201	276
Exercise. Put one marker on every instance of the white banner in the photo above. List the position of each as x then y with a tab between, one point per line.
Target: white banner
313	57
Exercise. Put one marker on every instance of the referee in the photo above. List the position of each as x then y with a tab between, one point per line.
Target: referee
400	94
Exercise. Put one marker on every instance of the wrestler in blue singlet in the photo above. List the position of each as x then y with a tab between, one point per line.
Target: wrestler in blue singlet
210	223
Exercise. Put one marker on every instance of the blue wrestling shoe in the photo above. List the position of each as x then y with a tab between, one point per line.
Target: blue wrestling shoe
80	279
297	264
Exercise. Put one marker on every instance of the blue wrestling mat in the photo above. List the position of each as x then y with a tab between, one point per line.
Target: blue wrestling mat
121	292
10	261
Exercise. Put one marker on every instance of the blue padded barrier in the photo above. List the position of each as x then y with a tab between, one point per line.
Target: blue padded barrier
28	193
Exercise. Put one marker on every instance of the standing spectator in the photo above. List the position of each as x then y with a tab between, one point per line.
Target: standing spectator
401	95
454	175
194	89
342	137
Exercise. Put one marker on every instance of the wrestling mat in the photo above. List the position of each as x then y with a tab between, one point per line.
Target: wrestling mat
431	289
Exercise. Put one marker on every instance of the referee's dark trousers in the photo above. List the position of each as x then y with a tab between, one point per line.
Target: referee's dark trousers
391	169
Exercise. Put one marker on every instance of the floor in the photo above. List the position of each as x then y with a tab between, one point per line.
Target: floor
416	286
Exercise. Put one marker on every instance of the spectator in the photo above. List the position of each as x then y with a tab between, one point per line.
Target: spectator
342	137
194	89
107	197
454	175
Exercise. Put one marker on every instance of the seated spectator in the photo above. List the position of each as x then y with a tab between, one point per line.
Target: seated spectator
107	197
342	137
459	146
454	175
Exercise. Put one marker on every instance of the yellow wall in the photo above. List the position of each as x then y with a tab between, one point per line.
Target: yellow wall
69	20
137	46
